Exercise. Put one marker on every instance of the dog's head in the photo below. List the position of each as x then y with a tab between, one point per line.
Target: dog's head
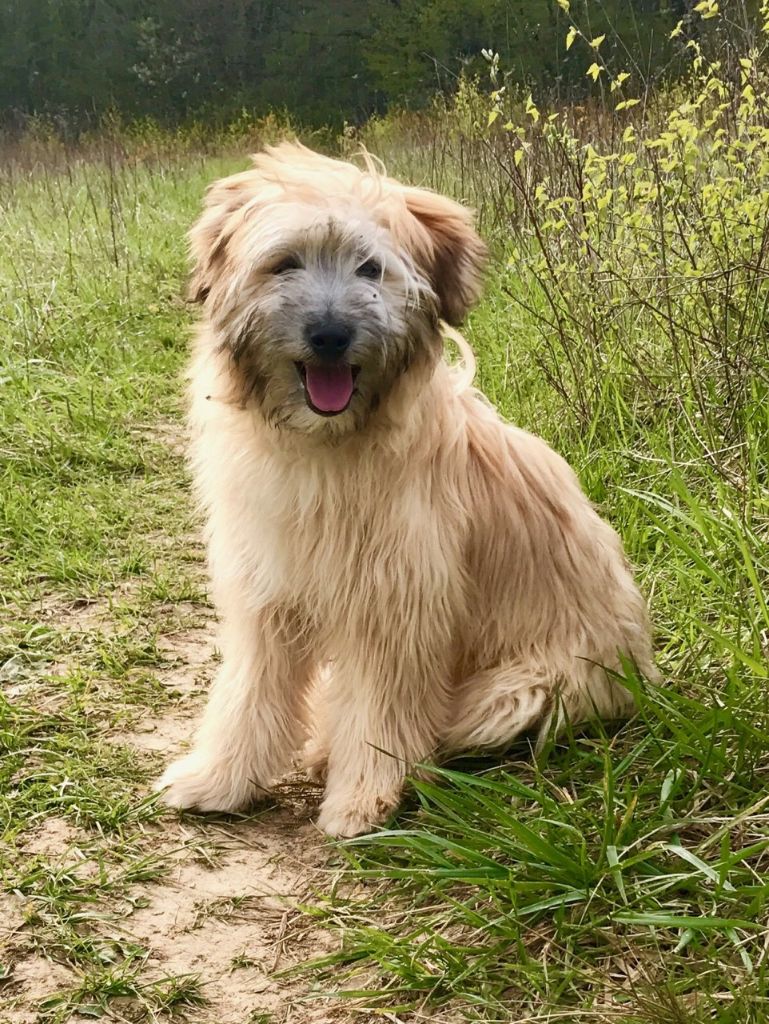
324	283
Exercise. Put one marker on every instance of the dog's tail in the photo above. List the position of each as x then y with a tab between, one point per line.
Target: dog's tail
464	369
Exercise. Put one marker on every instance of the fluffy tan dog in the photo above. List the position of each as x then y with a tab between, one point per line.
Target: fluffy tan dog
370	518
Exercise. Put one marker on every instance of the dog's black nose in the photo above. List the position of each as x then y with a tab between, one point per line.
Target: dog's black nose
329	340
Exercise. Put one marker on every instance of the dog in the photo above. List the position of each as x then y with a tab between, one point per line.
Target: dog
399	574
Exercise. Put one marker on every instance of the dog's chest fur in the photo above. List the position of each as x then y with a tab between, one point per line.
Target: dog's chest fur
344	536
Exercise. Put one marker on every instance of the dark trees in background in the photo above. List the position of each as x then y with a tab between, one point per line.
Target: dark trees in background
324	61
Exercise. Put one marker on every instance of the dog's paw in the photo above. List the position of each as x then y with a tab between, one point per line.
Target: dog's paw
195	783
355	815
314	760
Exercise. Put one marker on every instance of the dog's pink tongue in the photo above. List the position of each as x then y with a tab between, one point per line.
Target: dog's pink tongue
329	387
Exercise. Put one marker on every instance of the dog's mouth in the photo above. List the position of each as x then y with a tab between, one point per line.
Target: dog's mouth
328	389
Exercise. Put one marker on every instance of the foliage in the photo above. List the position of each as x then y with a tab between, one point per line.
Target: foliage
74	60
419	47
650	249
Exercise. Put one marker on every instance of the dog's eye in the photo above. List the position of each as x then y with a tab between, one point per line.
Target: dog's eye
371	268
286	264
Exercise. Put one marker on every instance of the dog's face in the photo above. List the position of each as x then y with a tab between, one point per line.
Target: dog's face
324	284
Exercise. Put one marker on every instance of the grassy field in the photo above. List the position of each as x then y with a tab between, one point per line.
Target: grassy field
622	876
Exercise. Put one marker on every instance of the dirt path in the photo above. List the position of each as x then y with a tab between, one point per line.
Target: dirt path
227	911
224	909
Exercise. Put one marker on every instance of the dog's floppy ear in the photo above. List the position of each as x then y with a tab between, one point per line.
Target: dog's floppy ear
455	257
208	236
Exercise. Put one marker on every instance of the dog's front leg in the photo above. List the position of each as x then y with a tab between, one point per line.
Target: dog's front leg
252	723
380	724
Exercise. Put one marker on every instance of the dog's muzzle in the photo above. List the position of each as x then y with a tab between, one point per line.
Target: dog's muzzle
328	380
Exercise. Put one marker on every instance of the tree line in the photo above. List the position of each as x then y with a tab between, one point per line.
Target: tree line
326	61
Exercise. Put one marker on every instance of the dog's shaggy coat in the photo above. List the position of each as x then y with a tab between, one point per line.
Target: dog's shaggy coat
432	576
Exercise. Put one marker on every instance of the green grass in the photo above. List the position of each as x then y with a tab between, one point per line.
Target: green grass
98	554
622	876
96	994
